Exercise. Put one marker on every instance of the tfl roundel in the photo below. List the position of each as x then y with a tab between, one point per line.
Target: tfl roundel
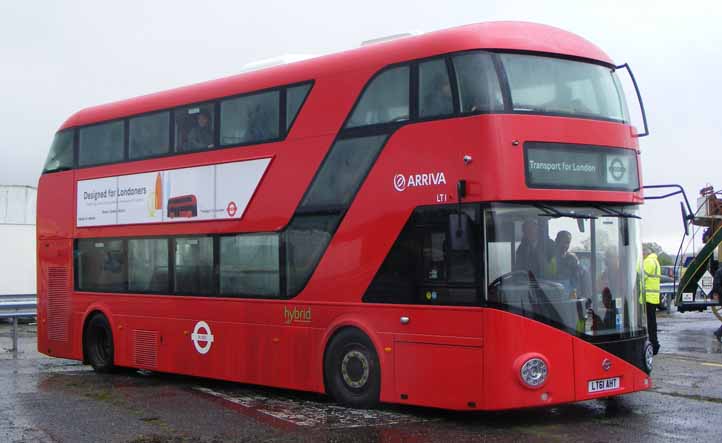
202	337
231	209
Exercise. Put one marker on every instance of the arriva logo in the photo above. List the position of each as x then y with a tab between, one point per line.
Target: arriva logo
401	182
296	315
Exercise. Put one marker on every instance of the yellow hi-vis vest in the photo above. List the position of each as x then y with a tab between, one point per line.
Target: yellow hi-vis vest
652	272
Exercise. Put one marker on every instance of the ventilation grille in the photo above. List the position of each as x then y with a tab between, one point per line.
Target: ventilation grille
145	349
58	304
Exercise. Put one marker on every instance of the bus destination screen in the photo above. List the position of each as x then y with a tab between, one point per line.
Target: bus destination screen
559	165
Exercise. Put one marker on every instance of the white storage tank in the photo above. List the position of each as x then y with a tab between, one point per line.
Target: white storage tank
17	239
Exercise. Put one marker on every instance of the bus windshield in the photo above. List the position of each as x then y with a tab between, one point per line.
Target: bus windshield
574	267
566	87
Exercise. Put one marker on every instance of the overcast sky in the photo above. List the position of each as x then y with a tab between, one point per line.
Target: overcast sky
59	57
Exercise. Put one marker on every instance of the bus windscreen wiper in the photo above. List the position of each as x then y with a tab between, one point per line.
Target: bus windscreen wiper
616	212
555	213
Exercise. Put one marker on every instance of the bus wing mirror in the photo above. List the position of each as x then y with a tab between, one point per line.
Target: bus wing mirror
639	99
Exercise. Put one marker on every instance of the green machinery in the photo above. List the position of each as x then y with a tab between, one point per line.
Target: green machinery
693	292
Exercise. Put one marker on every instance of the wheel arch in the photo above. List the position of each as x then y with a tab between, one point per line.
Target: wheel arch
351	322
90	312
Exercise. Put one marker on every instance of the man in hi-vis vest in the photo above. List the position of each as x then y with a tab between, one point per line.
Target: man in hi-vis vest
652	275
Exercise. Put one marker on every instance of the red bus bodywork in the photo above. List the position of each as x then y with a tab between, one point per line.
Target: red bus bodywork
449	357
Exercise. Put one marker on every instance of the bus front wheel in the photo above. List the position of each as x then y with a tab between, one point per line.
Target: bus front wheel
98	344
351	369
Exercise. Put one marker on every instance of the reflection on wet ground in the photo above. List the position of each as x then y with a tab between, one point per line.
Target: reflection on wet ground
47	399
689	332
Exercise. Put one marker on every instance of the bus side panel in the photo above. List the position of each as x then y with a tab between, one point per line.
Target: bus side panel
438	374
265	351
435	343
510	339
167	344
280	356
55	328
56	205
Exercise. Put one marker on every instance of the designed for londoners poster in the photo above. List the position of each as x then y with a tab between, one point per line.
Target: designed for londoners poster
215	192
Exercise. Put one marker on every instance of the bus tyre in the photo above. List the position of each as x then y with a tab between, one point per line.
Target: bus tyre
98	344
351	369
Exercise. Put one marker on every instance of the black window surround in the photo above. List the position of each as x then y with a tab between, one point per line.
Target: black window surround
123	257
431	262
283	131
388	128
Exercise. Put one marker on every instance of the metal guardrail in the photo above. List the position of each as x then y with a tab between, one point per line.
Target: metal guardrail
16	306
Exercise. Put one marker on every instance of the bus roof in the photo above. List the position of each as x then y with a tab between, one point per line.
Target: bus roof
516	36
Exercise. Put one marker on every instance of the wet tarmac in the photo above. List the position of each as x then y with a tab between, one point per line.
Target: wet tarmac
53	400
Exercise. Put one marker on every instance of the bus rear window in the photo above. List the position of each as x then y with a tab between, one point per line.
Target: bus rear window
60	157
101	144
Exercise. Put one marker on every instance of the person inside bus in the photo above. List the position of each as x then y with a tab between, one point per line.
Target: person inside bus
565	101
609	318
200	136
258	124
437	100
611	278
564	265
532	254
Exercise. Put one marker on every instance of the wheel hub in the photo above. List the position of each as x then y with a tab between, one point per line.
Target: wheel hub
355	369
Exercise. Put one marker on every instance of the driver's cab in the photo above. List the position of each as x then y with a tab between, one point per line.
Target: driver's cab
572	267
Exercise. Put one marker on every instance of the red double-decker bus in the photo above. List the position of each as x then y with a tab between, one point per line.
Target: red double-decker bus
447	220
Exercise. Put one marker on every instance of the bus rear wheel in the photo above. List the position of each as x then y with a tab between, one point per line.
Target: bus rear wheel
98	344
351	369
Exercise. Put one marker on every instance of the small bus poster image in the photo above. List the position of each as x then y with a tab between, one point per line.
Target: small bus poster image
182	206
447	220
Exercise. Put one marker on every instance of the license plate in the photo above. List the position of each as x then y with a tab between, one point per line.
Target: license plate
687	296
605	384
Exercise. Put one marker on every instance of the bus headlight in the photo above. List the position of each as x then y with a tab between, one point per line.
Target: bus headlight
533	370
648	356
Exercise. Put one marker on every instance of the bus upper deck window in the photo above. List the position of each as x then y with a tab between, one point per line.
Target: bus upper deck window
60	157
251	118
555	86
194	128
149	135
434	89
103	143
385	100
479	89
295	97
